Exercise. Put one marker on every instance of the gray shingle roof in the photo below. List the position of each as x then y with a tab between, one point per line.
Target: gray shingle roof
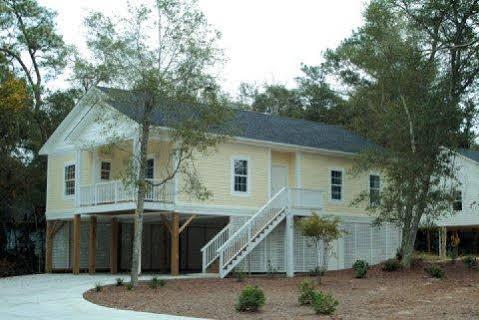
259	126
471	154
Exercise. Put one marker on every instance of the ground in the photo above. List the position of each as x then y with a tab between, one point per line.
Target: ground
382	295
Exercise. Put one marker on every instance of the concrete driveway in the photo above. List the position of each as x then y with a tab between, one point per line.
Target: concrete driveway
60	296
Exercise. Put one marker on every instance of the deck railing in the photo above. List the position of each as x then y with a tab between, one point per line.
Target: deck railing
116	191
209	251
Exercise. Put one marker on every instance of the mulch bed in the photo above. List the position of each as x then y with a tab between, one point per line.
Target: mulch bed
382	295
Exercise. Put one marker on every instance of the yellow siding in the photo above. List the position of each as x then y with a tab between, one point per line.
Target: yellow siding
316	175
55	180
214	170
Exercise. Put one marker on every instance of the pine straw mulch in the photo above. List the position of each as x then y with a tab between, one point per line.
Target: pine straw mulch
382	295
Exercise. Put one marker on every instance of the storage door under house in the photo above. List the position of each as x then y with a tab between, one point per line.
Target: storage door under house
279	178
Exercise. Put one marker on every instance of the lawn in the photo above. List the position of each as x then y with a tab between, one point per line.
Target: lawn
381	295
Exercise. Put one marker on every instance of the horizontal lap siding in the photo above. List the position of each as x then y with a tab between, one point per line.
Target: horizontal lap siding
55	180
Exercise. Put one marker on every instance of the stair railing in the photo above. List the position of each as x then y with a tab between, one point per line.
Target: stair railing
240	239
209	251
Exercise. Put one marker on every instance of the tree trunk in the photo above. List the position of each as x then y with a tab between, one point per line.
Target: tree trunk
140	202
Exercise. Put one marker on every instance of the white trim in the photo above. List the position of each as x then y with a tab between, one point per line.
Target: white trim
331	200
270	173
71	196
248	176
372	173
152	156
108	160
298	169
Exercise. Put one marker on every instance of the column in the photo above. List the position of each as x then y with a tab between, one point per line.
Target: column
76	243
92	245
49	247
289	245
175	244
114	246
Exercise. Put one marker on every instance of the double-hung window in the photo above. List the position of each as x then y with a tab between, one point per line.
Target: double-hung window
240	176
374	189
336	185
69	179
150	168
105	170
457	203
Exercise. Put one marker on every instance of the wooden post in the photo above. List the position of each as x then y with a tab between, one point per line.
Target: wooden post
114	246
92	246
175	244
76	243
442	242
49	247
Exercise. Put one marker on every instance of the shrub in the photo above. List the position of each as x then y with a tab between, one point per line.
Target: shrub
98	287
391	265
318	271
435	271
239	275
471	262
119	282
324	303
251	299
129	286
360	268
155	283
306	292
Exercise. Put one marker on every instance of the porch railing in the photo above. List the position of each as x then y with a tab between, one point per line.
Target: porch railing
209	251
117	191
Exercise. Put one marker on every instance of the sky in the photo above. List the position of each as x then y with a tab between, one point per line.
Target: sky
265	41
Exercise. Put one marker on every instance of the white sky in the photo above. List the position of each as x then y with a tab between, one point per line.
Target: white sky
264	40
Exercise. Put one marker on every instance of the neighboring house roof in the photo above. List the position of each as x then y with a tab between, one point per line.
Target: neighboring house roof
471	154
259	126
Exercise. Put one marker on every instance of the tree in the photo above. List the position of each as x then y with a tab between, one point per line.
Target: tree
401	98
322	231
165	63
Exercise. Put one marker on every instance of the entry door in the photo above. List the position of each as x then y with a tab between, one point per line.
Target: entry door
279	178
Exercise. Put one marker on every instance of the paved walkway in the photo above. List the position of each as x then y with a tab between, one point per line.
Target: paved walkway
60	296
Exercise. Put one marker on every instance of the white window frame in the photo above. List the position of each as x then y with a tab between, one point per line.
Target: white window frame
101	162
69	196
248	176
369	185
343	193
151	157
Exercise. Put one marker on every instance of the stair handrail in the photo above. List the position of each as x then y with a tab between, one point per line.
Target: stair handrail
252	218
209	257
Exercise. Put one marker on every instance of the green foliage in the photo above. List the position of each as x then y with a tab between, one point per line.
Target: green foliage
318	271
324	303
119	282
471	262
306	292
98	287
251	299
129	286
435	271
239	275
156	282
391	265
321	230
360	268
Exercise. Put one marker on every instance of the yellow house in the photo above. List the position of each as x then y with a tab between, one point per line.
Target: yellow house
272	171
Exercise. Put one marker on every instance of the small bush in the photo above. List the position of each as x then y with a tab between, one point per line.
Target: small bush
471	262
391	265
119	282
360	268
324	303
250	299
306	292
435	271
239	275
98	287
318	271
155	283
129	286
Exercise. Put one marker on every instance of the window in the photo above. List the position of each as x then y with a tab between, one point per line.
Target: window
336	184
105	170
240	175
150	168
374	189
70	180
457	203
